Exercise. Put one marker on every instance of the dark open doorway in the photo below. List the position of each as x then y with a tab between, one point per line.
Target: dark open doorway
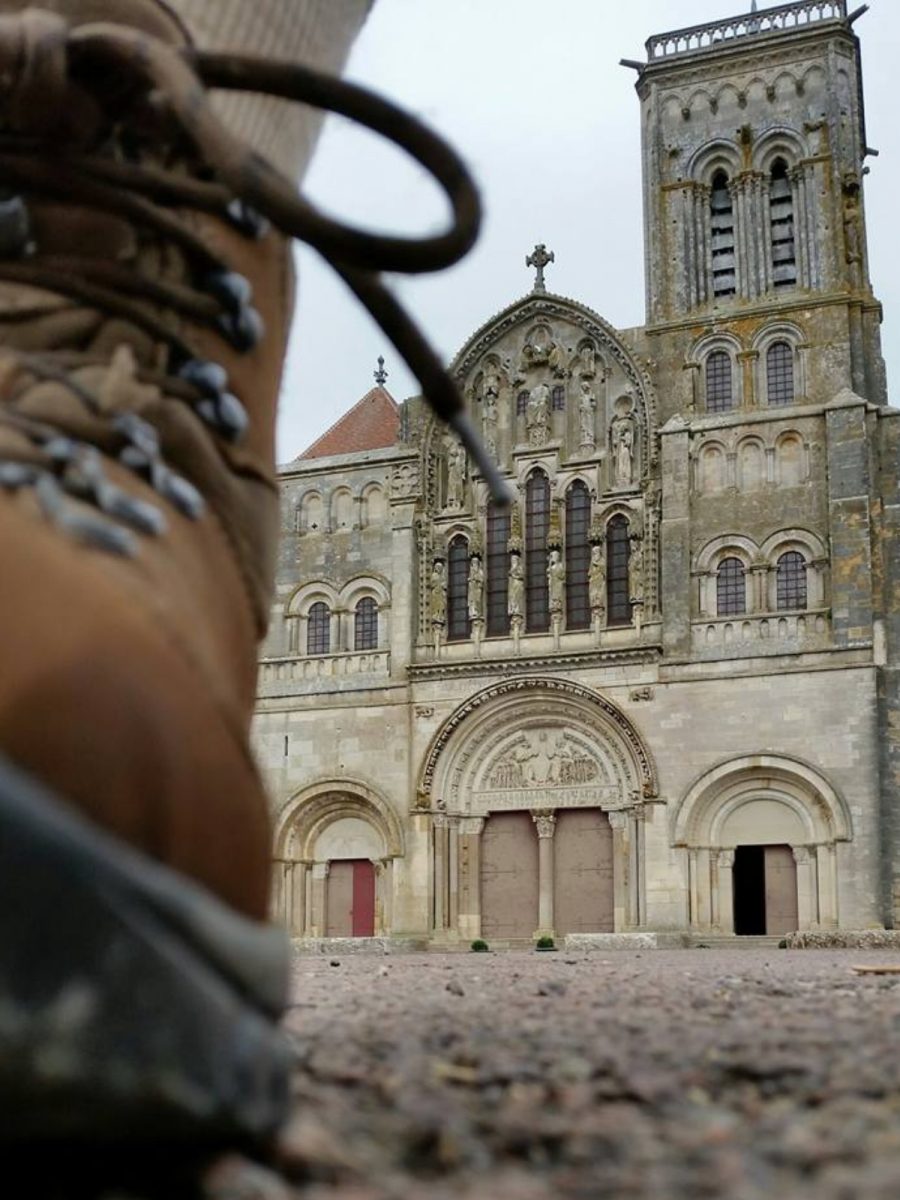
749	890
765	890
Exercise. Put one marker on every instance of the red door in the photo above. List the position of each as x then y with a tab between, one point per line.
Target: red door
350	902
363	912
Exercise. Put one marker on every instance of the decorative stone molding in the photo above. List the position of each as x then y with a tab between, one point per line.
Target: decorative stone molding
545	822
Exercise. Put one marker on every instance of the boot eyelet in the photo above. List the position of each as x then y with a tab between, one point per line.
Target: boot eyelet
207	377
247	220
244	329
15	228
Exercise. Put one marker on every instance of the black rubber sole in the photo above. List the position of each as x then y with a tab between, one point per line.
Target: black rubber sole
136	1011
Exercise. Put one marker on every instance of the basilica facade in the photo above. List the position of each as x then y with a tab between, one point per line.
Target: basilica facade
660	691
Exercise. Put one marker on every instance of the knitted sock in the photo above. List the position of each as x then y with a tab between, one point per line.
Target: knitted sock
316	32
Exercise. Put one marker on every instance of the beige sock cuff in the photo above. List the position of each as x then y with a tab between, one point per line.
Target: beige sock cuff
318	33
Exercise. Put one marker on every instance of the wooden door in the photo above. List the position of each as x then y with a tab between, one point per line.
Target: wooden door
350	898
509	876
781	890
583	876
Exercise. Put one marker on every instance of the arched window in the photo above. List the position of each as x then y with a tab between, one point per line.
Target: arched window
497	570
719	382
318	629
731	588
365	625
790	578
537	529
618	552
558	398
578	556
722	236
458	589
521	403
781	220
780	373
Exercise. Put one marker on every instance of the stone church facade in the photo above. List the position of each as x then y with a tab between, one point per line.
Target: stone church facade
660	691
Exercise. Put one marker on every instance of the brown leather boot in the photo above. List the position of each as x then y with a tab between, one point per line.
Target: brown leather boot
144	307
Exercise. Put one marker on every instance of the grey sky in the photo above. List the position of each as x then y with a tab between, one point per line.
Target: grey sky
532	95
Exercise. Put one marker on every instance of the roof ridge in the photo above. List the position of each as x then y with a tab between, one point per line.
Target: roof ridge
378	392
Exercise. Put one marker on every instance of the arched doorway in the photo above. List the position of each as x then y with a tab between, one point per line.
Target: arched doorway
536	789
335	846
760	836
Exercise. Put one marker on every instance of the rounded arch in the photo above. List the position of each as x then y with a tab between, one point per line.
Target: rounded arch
750	462
361	586
710	467
704	813
373	505
306	594
809	544
342	505
309	812
473	739
712	157
729	545
311	512
778	142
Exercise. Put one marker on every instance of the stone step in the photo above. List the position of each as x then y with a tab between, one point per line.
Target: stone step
730	941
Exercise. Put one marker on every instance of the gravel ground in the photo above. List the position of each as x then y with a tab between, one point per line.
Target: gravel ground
660	1074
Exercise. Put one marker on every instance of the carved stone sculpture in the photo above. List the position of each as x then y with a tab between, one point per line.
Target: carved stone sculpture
597	580
556	579
515	603
438	595
489	421
587	407
456	473
586	360
475	594
623	451
537	416
636	573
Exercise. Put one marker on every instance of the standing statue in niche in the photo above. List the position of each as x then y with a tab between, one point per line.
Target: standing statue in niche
597	580
438	594
489	421
556	360
556	579
587	364
456	473
515	604
537	416
587	407
475	595
622	439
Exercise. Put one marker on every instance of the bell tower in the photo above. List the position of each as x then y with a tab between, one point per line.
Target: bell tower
753	139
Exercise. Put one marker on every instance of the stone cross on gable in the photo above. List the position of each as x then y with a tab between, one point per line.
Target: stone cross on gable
539	258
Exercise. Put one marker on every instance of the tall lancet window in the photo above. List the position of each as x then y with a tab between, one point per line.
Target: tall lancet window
618	553
497	570
722	236
537	530
578	556
781	219
458	589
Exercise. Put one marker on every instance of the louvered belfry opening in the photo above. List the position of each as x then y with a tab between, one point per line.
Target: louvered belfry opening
498	528
618	553
781	218
578	556
537	529
722	237
458	589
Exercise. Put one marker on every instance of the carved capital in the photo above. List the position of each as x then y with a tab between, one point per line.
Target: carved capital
545	822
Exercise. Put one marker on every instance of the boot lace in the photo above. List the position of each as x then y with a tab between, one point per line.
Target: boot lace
63	91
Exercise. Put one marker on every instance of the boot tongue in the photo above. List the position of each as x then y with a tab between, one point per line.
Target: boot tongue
151	16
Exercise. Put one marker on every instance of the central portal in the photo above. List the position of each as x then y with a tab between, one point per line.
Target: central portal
765	890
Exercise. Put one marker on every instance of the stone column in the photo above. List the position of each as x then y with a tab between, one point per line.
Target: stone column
807	892
701	888
378	924
636	888
675	543
297	922
470	831
622	869
387	894
826	878
441	835
545	822
453	869
748	360
723	891
757	598
318	924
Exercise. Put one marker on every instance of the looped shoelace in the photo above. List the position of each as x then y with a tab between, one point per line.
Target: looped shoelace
42	57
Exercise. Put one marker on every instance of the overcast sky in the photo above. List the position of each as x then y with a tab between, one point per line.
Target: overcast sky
532	95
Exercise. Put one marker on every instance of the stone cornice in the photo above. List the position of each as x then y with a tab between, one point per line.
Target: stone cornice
576	660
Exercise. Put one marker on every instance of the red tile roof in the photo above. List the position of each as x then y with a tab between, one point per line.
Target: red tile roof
372	423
